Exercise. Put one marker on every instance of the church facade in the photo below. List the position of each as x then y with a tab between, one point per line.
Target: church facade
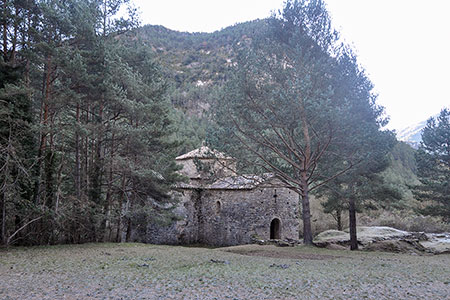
219	208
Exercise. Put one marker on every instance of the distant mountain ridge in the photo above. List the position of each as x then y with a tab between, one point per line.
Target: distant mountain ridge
413	133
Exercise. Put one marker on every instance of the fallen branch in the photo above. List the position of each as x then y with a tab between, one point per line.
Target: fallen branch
20	229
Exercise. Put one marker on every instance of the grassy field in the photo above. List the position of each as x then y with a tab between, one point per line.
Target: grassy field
138	271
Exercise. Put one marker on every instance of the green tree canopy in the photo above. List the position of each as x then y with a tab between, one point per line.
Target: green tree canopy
297	104
86	94
433	166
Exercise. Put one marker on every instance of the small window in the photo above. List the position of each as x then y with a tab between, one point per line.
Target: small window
218	207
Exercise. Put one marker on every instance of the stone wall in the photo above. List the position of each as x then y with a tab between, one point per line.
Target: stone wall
233	217
184	230
219	208
229	217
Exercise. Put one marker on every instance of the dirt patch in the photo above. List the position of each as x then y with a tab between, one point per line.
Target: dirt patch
276	252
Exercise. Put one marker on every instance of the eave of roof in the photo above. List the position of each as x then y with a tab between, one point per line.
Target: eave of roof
242	182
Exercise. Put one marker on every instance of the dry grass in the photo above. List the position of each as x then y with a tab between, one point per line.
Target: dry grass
138	271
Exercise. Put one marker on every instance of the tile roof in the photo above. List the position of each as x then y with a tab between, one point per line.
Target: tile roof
241	182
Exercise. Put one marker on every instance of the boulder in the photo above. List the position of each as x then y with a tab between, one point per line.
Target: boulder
396	246
332	237
381	238
366	235
437	243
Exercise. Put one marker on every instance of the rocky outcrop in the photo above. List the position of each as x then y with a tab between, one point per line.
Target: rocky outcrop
437	243
380	238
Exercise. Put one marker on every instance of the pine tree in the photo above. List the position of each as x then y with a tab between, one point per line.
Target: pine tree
293	102
433	166
278	106
103	135
16	144
361	143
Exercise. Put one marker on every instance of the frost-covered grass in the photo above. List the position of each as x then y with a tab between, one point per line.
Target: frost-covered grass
138	271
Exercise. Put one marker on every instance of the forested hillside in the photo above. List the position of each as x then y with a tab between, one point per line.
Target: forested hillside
196	66
94	110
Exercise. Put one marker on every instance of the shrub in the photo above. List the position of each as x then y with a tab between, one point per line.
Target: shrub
406	221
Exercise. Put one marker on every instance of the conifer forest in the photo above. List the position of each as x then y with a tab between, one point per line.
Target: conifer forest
94	108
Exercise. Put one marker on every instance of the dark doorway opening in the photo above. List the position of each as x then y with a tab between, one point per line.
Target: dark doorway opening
275	229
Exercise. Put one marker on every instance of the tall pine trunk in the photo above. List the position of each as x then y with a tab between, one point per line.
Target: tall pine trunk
122	199
108	201
339	219
3	216
5	30
86	164
44	116
352	220
77	156
306	212
97	159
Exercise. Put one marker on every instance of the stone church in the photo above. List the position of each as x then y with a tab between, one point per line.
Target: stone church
219	208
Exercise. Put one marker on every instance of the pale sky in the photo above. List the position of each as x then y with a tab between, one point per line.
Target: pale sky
404	45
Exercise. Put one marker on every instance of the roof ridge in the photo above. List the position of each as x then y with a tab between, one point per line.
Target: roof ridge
203	152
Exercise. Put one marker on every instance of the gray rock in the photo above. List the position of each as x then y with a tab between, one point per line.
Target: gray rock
382	238
437	243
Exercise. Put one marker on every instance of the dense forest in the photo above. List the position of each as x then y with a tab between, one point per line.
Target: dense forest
87	136
94	110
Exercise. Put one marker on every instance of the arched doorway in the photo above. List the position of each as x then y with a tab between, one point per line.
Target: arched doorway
275	231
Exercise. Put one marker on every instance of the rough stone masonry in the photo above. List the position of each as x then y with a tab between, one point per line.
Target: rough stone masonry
219	208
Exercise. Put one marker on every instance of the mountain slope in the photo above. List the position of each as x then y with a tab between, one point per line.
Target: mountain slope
413	134
196	64
195	67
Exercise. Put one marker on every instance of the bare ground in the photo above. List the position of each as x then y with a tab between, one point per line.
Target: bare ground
138	271
276	252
